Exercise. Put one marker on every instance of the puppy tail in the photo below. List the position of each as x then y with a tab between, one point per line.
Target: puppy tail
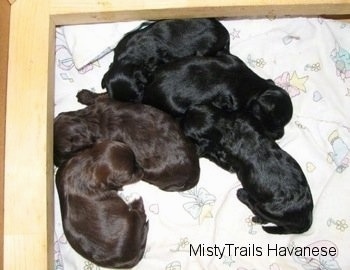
144	238
143	242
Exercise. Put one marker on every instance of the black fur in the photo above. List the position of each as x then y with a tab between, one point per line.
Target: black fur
224	81
274	185
141	51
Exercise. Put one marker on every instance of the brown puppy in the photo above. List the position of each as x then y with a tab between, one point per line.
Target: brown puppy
97	223
168	158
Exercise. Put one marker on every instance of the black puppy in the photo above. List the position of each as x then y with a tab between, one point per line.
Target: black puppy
274	185
168	158
224	81
141	51
97	223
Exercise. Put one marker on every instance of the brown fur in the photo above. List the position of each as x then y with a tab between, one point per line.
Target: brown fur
168	158
97	223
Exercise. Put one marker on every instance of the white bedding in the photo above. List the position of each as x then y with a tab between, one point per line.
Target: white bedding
310	58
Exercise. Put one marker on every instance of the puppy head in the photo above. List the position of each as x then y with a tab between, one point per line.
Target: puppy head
71	134
274	109
116	164
124	82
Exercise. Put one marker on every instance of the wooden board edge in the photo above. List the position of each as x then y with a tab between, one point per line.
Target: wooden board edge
5	9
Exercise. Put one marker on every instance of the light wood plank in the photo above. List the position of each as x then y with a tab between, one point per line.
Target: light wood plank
28	196
28	213
4	48
108	10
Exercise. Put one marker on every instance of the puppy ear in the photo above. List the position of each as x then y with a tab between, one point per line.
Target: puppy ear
255	109
107	77
139	76
264	104
224	101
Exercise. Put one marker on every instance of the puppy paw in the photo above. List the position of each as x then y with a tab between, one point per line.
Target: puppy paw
242	195
275	134
258	220
88	97
137	204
